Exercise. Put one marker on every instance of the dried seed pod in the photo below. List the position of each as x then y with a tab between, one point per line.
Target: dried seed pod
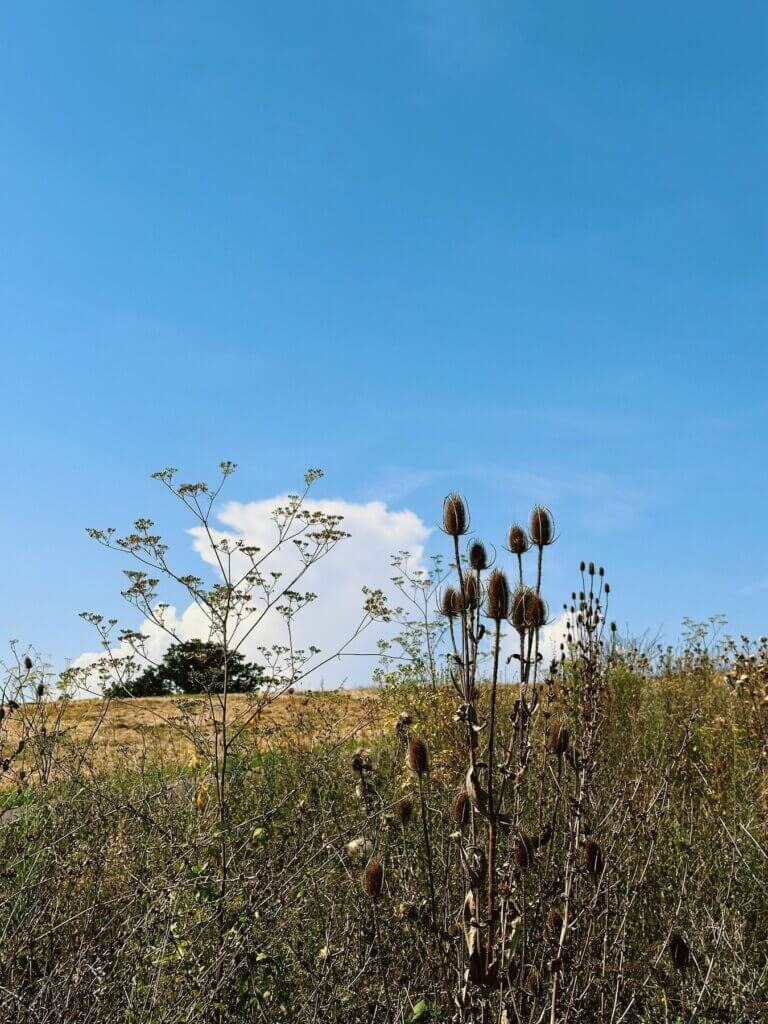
417	756
518	541
373	879
461	810
554	923
532	982
523	851
28	663
478	556
497	598
536	611
542	528
403	811
521	599
455	515
593	858
680	951
450	605
559	738
471	592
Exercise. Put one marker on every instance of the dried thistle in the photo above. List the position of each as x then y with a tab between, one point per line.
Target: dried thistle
471	592
450	603
522	851
417	756
497	598
542	528
455	515
373	879
554	923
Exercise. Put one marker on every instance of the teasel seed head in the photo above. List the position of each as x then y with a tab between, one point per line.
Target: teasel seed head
680	951
554	923
28	663
472	592
373	879
542	528
461	810
450	604
559	738
497	596
403	811
478	556
455	515
529	610
518	541
417	756
523	851
593	858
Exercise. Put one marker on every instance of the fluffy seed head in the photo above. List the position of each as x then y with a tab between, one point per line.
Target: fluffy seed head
373	879
403	811
680	951
478	556
455	515
542	528
417	756
518	541
559	738
461	810
497	596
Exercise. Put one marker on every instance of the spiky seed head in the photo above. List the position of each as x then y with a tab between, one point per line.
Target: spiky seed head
497	597
373	879
554	923
455	515
40	689
478	556
403	811
542	528
28	664
529	609
449	603
518	541
471	593
461	810
417	756
582	565
523	851
680	951
559	738
532	982
593	858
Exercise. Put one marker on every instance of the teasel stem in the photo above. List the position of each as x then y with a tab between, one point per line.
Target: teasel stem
491	805
467	673
427	850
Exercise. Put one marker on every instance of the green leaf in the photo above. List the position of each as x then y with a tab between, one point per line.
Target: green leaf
421	1012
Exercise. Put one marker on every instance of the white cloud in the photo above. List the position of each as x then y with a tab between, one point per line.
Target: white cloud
363	559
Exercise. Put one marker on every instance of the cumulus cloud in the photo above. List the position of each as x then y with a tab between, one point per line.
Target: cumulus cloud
376	533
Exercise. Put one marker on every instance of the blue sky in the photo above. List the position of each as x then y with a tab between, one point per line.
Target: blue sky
513	248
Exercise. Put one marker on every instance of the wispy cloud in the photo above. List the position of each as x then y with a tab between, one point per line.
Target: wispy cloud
754	588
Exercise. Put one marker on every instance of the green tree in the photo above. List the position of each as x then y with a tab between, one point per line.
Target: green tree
193	666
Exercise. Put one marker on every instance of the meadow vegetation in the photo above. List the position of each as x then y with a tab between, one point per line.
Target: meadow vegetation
486	836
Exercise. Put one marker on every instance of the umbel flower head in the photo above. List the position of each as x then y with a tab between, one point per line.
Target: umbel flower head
417	756
455	515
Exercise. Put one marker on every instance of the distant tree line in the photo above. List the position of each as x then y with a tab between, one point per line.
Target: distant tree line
194	666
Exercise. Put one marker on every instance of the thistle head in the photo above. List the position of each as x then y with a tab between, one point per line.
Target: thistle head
403	811
471	593
461	810
450	603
